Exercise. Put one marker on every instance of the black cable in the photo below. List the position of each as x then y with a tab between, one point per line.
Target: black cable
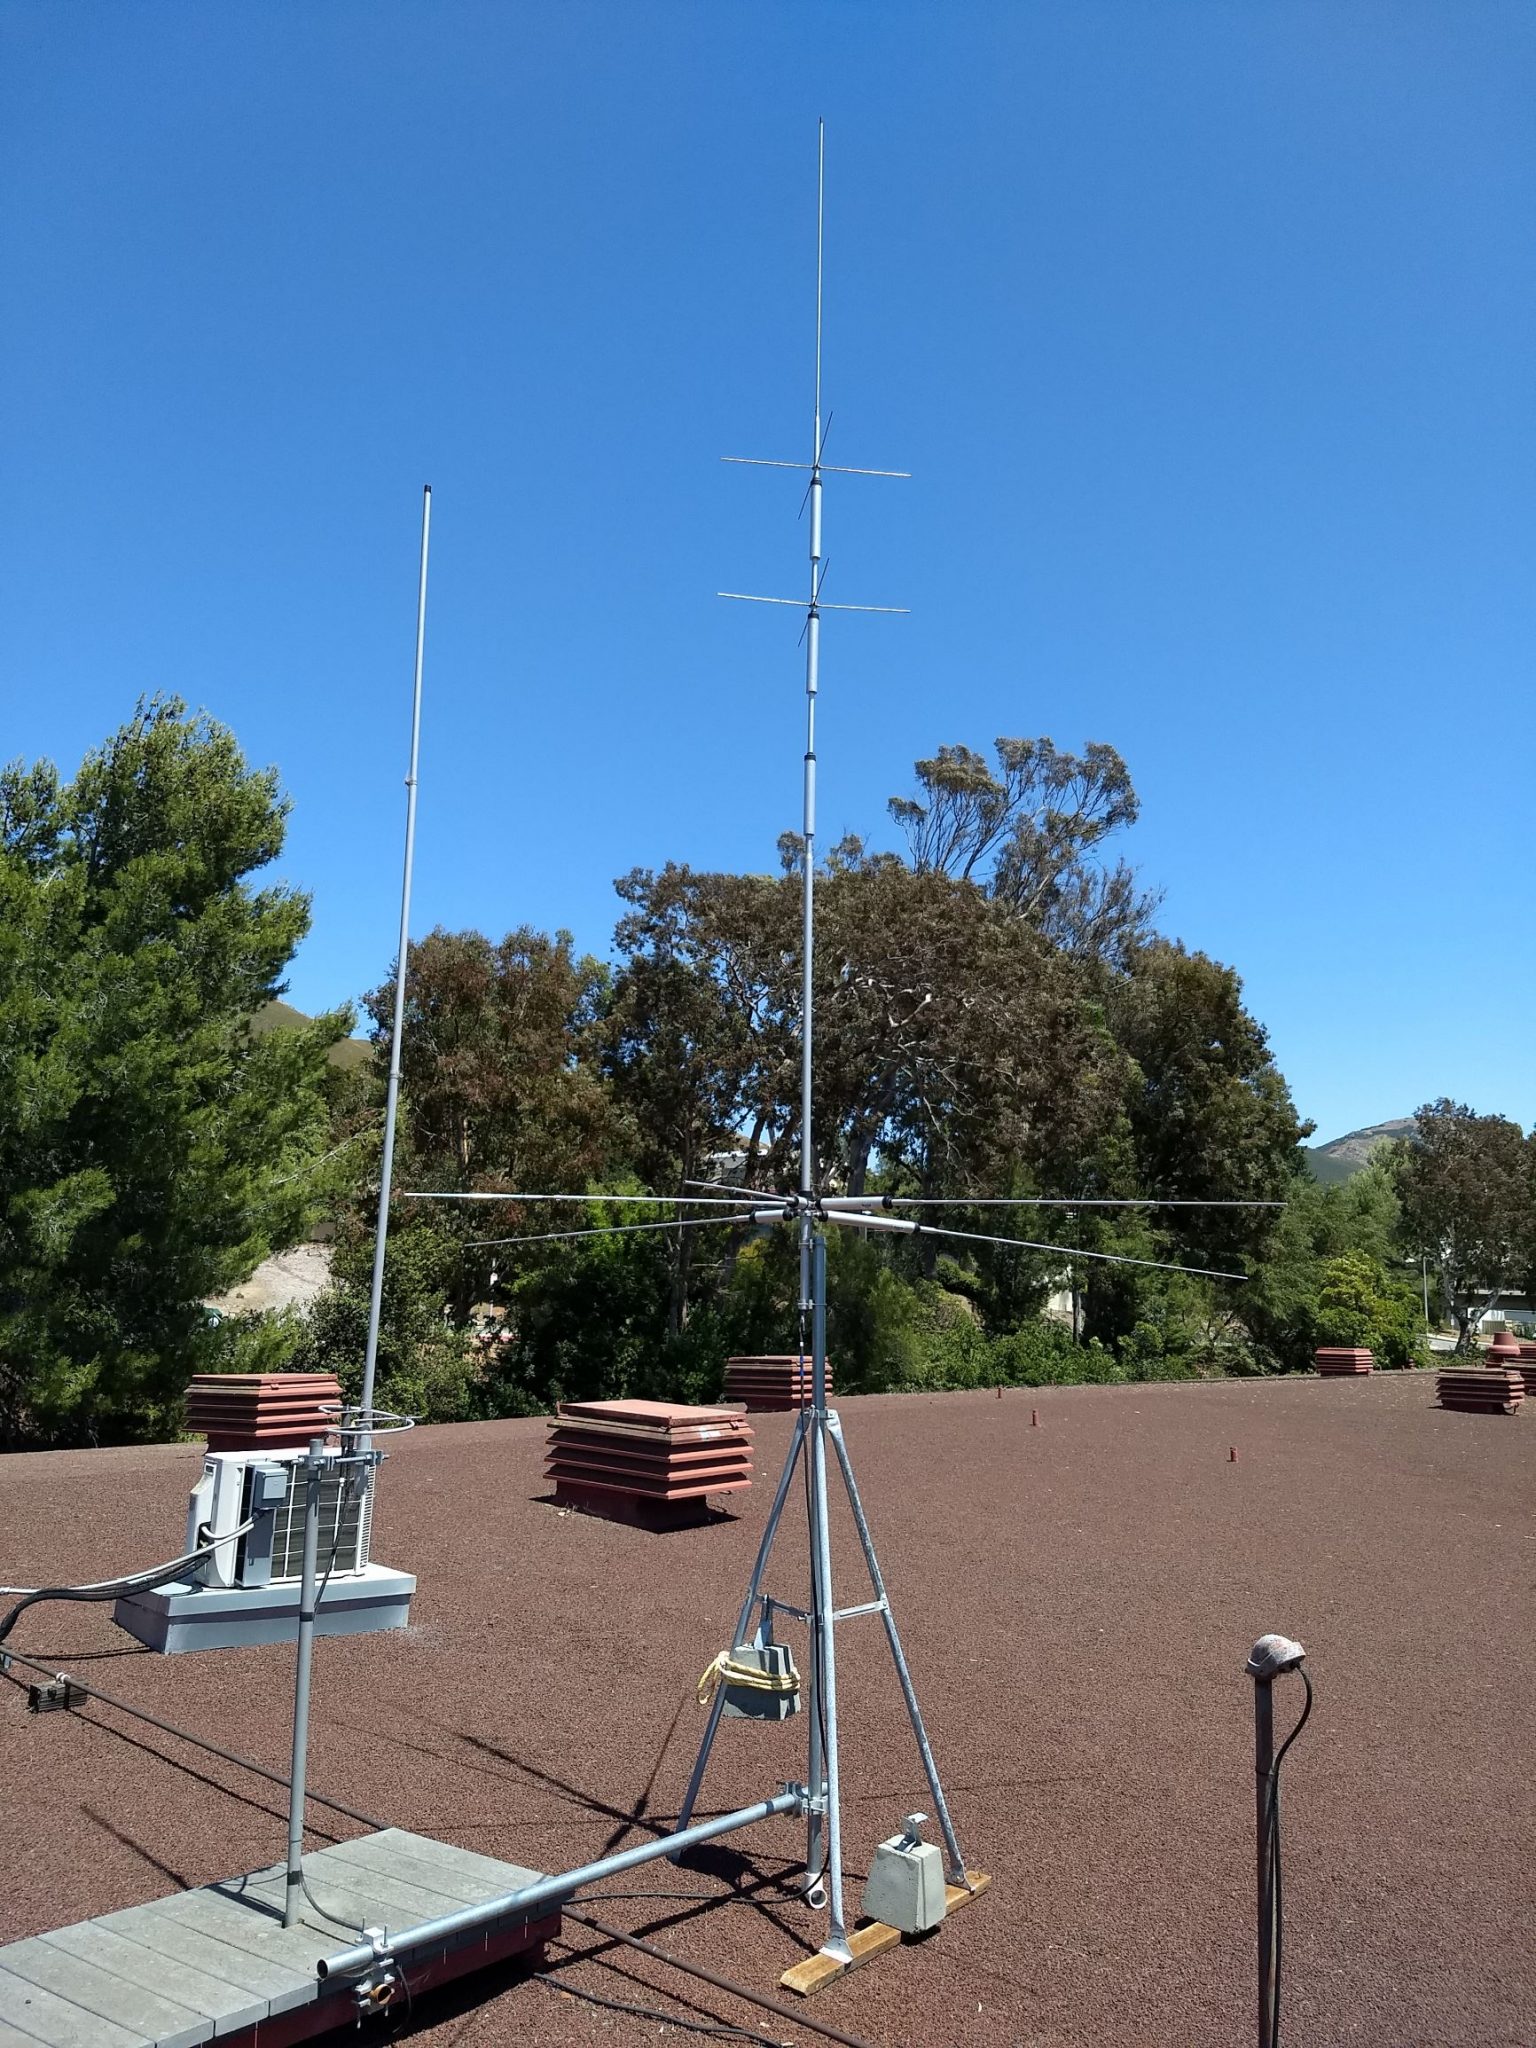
724	1984
652	2012
89	1690
817	1660
1272	1836
336	1919
115	1589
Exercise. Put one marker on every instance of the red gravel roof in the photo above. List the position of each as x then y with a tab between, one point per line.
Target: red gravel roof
1077	1601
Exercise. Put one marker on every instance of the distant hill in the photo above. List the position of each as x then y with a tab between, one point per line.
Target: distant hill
280	1016
1337	1160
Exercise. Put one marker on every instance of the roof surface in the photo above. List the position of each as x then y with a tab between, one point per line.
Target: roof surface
1077	1600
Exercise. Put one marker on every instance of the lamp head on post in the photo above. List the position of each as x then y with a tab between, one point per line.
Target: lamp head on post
1271	1656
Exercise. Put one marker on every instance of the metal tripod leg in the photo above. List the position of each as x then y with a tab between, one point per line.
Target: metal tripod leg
824	1623
744	1620
898	1657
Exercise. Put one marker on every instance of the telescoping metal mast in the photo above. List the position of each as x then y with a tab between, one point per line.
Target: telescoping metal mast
810	1212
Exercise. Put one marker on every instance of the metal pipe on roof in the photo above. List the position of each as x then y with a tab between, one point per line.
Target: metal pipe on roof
548	1890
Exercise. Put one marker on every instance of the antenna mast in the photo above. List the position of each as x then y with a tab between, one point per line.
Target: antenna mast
392	1100
812	679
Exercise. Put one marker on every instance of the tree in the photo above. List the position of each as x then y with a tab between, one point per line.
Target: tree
1465	1183
1031	834
491	1068
1209	1115
152	1150
1358	1304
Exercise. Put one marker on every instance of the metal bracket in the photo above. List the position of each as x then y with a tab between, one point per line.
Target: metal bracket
376	1988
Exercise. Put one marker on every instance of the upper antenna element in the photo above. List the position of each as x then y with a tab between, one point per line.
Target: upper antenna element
815	605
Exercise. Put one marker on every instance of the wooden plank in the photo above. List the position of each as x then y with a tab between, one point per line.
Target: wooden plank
92	1943
873	1939
110	1997
58	2021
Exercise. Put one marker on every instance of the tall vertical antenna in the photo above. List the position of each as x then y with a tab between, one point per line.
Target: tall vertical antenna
392	1100
815	606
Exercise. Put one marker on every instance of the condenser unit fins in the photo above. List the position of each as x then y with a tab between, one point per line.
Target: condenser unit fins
262	1411
652	1463
1481	1391
1342	1361
765	1384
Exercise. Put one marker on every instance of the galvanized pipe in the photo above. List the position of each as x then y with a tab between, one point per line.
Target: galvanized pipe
744	1619
898	1655
293	1882
550	1889
823	1607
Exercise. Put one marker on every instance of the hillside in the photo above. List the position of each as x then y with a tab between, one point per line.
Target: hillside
280	1016
1340	1157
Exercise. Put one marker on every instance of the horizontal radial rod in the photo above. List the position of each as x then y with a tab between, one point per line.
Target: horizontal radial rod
653	1201
825	468
864	1220
1034	1202
832	1203
819	604
549	1889
629	1229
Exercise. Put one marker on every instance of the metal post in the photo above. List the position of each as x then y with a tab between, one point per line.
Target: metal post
1270	1656
898	1655
824	1719
392	1099
294	1882
546	1890
743	1622
1263	1764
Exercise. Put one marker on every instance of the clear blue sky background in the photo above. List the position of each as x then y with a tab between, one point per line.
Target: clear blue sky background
1206	329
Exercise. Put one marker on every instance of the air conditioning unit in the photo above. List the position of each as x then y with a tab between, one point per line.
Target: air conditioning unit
265	1487
247	1590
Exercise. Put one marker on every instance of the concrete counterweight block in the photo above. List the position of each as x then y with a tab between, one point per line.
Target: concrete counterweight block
905	1886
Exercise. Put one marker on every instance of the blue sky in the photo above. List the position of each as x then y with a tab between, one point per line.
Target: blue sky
1206	330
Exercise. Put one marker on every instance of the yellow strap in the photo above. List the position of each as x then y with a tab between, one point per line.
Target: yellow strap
727	1671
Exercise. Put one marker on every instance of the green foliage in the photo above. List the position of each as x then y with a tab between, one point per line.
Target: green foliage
152	1150
1358	1304
995	1015
1467	1185
426	1365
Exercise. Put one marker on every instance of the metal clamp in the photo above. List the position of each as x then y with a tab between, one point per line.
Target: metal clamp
377	1986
